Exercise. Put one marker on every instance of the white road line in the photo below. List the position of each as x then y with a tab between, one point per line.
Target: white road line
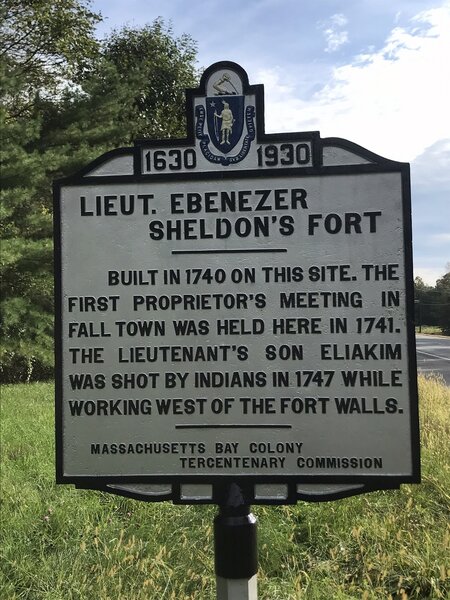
433	355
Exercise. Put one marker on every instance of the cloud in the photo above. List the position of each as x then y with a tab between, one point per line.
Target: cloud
432	167
335	36
440	238
393	101
430	182
429	274
430	179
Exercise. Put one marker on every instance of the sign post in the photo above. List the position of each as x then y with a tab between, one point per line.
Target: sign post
235	311
235	550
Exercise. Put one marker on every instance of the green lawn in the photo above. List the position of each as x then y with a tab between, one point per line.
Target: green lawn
429	329
59	543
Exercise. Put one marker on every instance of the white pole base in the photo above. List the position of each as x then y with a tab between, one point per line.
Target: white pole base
237	589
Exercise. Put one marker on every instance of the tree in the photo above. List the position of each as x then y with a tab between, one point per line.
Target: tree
45	45
139	83
423	295
434	302
443	291
131	86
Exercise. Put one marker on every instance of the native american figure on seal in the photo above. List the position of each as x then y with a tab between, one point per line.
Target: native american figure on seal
227	122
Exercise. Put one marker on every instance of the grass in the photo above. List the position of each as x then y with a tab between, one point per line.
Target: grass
429	330
59	543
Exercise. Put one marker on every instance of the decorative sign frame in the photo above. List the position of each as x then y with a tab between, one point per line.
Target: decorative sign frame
235	307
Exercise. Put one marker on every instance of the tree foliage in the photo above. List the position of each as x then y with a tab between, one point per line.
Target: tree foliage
67	99
44	45
443	291
433	303
149	69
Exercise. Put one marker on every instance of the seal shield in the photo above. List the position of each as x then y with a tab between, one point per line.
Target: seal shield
225	121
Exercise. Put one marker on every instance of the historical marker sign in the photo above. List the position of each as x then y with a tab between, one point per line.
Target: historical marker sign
236	306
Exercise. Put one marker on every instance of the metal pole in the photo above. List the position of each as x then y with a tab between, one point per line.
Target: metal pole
236	555
418	314
236	589
420	318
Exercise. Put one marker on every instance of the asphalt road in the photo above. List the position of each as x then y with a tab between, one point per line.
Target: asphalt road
433	355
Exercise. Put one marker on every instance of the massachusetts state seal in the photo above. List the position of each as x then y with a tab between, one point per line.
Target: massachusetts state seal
230	127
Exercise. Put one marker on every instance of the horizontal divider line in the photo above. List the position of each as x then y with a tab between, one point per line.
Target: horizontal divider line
230	251
237	426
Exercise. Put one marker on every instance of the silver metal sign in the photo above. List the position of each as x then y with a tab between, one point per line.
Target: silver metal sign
235	306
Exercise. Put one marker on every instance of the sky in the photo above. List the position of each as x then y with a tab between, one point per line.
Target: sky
375	72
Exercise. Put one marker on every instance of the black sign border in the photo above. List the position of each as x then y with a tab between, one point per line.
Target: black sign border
221	483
